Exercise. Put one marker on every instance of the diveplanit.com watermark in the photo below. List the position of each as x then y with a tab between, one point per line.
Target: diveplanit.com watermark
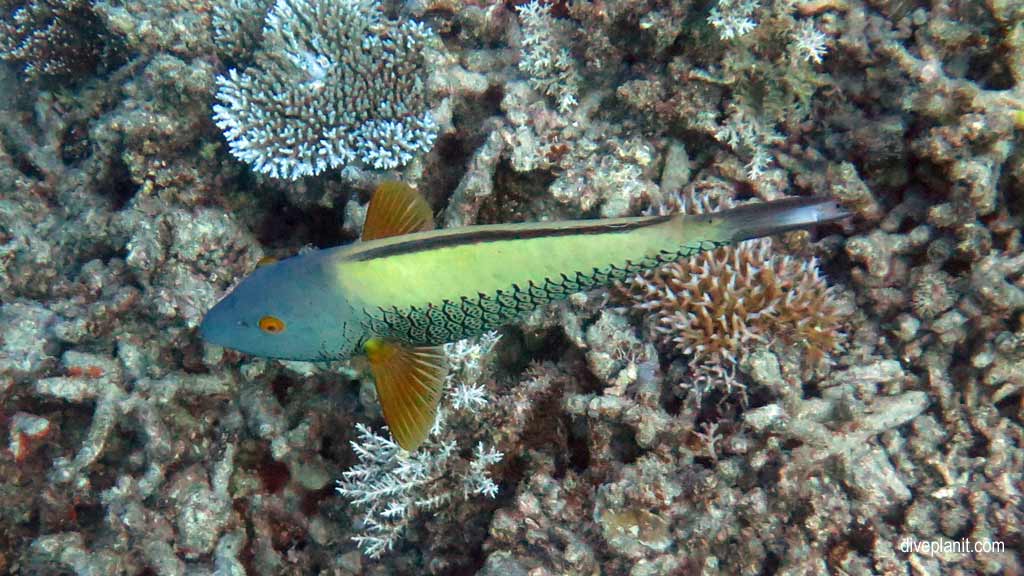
910	544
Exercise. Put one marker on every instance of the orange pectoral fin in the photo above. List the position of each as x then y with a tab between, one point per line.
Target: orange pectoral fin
396	209
409	384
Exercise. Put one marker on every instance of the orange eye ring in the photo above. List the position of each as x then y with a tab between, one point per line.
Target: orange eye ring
271	325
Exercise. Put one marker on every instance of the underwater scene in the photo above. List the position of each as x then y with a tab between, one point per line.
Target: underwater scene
511	288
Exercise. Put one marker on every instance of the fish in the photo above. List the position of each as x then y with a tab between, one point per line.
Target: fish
405	289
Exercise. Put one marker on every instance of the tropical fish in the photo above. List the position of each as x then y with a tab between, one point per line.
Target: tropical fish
405	289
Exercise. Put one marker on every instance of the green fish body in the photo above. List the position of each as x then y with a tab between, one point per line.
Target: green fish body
406	294
454	284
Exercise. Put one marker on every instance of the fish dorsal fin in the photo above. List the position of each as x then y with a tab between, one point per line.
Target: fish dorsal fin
409	383
396	209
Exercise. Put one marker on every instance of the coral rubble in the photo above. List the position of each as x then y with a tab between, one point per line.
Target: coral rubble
51	38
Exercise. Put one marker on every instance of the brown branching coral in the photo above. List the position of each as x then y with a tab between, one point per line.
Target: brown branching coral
713	307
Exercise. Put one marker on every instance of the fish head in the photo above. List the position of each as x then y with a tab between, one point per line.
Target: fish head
278	311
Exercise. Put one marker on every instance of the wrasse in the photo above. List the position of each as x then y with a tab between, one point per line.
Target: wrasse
405	289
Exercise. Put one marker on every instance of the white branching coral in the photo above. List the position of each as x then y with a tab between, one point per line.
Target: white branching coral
468	396
745	134
333	83
733	18
391	486
466	367
478	480
809	42
545	60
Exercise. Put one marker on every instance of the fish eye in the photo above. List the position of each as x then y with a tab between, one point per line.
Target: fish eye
271	325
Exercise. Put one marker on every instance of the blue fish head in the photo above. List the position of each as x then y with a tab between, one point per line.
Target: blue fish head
283	310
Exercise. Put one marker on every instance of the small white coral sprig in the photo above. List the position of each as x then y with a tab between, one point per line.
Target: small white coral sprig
478	480
391	486
745	134
733	18
809	42
467	364
548	64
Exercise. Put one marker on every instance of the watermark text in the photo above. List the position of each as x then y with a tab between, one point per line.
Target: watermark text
911	544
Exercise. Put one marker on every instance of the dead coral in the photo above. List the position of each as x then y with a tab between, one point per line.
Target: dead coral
238	26
549	526
53	38
998	282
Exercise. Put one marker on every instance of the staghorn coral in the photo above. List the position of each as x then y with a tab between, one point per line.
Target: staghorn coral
714	306
334	83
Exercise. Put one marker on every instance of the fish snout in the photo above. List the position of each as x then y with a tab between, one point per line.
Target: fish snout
220	322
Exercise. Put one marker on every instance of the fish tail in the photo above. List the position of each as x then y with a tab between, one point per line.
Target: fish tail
775	217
